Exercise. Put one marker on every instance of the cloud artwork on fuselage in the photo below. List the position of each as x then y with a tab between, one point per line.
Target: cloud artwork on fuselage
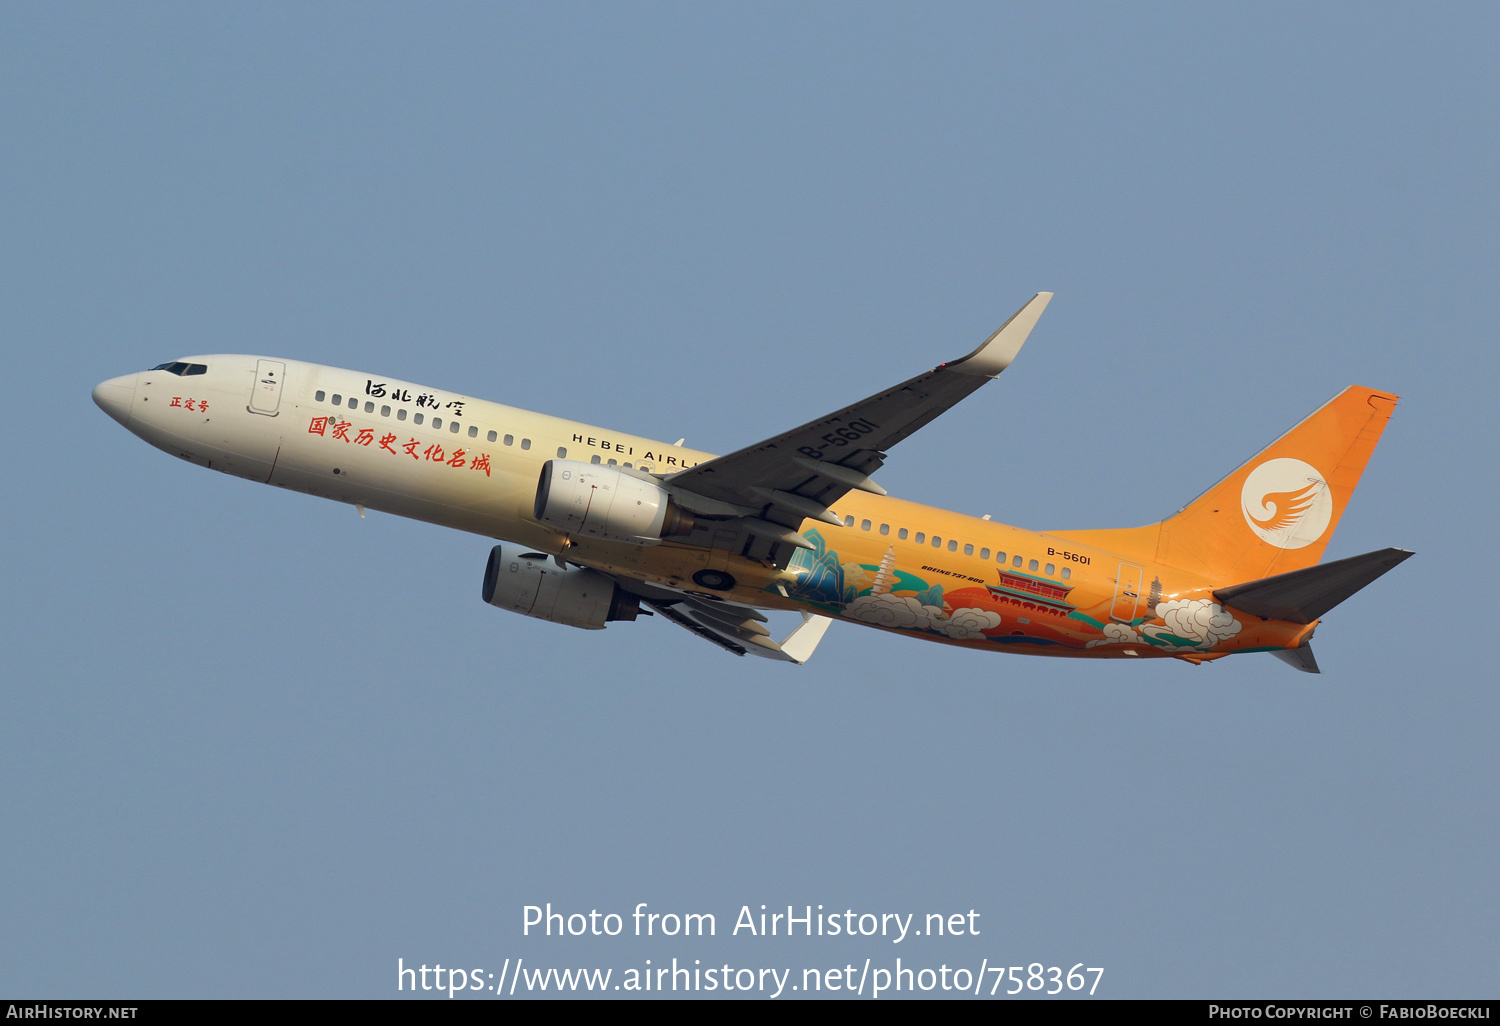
594	532
1019	610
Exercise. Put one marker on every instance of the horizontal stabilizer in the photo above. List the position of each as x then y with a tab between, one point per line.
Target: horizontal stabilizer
1303	596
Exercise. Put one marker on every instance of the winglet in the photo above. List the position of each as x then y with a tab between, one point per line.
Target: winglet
800	643
1001	348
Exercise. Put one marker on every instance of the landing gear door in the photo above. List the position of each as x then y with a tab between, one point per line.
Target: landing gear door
265	394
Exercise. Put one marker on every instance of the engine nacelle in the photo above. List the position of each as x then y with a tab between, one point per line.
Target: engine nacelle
602	502
531	584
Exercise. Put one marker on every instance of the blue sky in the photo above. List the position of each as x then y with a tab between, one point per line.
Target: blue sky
255	746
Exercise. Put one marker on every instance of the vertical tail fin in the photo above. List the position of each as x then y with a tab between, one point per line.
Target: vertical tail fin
1275	513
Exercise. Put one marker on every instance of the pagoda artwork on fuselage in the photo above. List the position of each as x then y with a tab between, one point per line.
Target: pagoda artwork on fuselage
1037	594
1025	610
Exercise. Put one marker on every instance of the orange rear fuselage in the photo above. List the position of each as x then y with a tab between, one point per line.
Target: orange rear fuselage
963	580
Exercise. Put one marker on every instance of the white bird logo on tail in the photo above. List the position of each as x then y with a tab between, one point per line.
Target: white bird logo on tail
1287	503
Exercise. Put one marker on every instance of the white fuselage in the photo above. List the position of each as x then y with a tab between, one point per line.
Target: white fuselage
379	443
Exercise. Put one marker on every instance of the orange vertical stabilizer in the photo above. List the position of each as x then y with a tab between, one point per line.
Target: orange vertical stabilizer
1278	510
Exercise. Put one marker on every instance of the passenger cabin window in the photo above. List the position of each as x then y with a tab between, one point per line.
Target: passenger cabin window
1000	557
594	458
984	553
1032	566
937	542
901	534
562	453
385	411
338	400
437	422
319	396
1016	562
353	403
490	436
953	546
1050	570
400	414
969	550
920	538
474	431
864	525
1066	573
525	443
453	427
849	521
885	528
369	407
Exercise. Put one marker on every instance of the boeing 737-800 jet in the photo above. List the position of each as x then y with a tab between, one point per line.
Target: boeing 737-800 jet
596	524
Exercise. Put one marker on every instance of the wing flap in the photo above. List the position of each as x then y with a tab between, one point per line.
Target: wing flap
733	627
680	618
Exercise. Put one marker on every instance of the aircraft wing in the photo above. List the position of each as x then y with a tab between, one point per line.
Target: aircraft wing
778	483
739	637
733	627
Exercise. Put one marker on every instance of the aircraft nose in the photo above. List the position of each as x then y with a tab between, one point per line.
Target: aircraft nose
115	396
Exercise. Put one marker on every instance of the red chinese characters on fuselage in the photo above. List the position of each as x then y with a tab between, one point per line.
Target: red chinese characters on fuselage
330	428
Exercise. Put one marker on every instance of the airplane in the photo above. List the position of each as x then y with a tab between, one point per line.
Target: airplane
597	526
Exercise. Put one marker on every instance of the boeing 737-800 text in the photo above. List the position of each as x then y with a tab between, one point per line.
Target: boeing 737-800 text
595	524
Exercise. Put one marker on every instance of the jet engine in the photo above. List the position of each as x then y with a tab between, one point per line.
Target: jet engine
604	502
531	584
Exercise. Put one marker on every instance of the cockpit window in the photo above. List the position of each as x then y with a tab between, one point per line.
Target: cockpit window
182	369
